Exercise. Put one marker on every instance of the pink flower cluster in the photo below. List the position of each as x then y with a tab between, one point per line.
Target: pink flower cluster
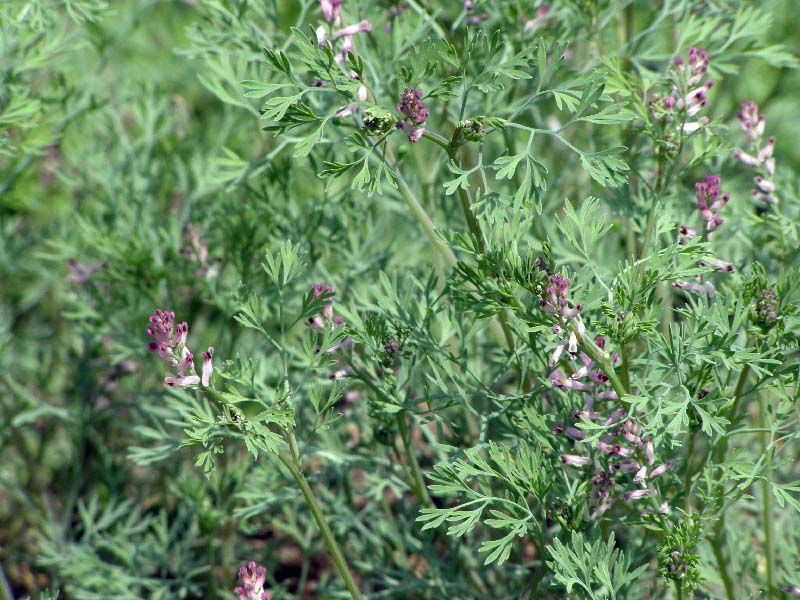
710	200
556	303
415	112
688	94
331	11
252	578
753	124
169	344
625	451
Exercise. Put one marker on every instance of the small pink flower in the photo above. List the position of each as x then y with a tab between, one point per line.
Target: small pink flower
575	460
208	368
635	495
182	381
661	469
330	10
351	30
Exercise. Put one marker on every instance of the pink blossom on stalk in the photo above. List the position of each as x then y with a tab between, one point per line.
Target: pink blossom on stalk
701	288
698	64
688	94
753	124
717	265
252	578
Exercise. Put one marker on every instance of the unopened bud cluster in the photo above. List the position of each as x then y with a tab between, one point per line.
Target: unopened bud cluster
415	114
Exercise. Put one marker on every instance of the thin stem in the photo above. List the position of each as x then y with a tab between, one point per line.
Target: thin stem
325	530
687	481
718	542
722	448
5	589
422	218
678	590
420	489
625	359
598	356
767	508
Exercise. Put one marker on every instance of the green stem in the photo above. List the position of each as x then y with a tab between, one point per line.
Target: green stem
722	448
424	220
420	490
687	481
718	542
678	590
324	528
598	356
5	589
624	367
767	508
720	539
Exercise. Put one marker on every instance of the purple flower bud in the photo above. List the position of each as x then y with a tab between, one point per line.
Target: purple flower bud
710	199
751	121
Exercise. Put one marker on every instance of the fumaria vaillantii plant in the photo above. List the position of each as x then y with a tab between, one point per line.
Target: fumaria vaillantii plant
497	298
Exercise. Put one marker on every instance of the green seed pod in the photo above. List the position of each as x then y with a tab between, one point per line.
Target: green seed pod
767	309
472	129
378	121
